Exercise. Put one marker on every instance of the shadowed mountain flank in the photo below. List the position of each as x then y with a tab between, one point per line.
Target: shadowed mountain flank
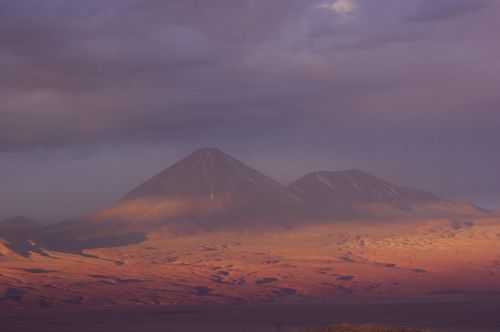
22	236
18	235
208	186
18	224
75	236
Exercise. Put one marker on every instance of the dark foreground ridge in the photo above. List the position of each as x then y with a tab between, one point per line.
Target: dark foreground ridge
439	317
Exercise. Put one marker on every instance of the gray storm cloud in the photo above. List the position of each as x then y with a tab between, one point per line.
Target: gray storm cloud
408	89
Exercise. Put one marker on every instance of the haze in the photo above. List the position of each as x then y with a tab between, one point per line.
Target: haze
99	95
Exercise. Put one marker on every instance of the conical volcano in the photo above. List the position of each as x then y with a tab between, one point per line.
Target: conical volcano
208	186
208	173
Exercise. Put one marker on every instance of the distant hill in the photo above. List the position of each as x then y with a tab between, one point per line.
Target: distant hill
18	223
19	228
355	194
18	235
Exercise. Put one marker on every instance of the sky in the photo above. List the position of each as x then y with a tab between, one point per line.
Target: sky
99	95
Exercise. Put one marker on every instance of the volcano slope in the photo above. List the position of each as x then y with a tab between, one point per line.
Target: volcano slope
208	188
355	194
210	229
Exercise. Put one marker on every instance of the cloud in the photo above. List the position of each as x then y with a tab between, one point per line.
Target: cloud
341	7
73	76
83	75
437	10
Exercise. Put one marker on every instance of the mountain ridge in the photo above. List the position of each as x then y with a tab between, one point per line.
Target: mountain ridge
213	187
210	190
358	194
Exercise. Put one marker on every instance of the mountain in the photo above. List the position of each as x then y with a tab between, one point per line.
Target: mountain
18	223
354	193
210	190
18	234
207	187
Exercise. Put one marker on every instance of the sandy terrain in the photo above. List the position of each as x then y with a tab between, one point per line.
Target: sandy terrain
357	261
